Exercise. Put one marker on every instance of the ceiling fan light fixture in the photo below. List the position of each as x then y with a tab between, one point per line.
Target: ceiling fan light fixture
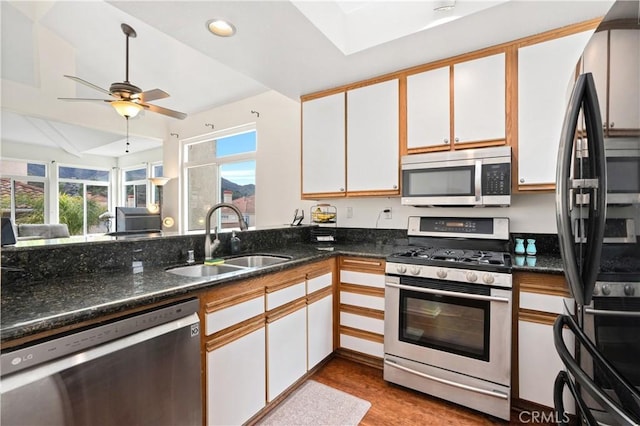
221	27
126	109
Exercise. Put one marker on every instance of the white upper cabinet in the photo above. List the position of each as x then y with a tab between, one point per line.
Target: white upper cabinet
323	145
546	73
428	113
479	99
624	79
373	137
612	57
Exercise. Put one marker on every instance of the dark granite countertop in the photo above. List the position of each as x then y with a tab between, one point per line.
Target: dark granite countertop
544	264
38	306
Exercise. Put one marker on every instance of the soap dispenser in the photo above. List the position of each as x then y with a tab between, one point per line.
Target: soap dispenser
235	243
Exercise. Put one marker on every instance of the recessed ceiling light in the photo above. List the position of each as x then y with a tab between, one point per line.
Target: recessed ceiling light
221	27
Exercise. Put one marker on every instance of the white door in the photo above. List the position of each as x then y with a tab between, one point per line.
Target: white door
320	330
428	113
546	72
286	351
479	99
236	380
323	145
373	137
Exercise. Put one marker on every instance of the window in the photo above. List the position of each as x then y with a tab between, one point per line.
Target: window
220	169
23	194
135	187
83	197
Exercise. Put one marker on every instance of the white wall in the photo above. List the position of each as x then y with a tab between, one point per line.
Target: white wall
278	157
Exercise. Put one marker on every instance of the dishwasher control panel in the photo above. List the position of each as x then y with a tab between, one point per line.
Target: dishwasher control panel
21	358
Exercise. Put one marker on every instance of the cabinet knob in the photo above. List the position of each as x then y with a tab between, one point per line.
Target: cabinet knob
457	140
521	180
604	126
612	125
341	189
445	141
395	186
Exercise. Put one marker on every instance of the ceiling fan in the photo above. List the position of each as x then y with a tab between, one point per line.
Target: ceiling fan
129	99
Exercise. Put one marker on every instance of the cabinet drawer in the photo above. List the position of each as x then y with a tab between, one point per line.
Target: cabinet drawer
362	264
543	302
372	302
226	317
319	282
360	322
284	294
362	278
362	345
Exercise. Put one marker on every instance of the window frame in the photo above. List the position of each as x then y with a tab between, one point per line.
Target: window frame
217	162
16	177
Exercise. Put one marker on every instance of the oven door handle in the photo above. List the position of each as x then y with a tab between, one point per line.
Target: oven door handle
450	293
592	311
495	394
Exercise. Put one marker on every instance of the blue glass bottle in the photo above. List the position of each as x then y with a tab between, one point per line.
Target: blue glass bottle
519	248
531	247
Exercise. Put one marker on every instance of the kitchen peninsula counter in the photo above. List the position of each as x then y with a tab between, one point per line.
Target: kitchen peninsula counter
29	308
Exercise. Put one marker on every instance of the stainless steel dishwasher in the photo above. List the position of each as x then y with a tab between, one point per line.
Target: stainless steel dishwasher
143	369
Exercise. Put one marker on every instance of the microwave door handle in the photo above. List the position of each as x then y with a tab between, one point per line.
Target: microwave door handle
478	181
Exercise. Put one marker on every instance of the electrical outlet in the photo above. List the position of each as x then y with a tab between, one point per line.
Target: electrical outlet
387	213
349	212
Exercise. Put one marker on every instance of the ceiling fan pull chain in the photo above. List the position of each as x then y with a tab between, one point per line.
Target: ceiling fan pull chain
127	149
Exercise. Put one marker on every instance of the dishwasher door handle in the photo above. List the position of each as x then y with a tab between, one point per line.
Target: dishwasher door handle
38	372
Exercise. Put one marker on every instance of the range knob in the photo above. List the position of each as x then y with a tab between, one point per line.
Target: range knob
596	290
401	269
606	290
488	279
472	277
629	290
415	270
441	273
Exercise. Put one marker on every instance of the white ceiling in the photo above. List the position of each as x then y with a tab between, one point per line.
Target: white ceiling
293	47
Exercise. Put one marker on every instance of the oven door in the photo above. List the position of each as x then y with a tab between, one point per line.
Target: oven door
461	327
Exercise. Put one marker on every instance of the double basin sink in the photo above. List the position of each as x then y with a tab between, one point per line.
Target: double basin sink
231	265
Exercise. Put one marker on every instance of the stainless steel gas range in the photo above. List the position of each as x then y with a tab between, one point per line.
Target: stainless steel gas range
448	304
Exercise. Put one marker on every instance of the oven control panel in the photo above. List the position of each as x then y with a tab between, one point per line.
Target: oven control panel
494	279
617	289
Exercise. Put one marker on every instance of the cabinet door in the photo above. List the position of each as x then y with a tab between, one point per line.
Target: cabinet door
323	145
236	380
624	79
546	72
286	351
428	113
594	60
320	330
479	99
373	137
539	363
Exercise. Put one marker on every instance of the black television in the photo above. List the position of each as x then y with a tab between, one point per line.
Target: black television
133	220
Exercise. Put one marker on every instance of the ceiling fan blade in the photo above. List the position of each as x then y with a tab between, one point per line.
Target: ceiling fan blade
85	100
151	95
165	111
86	83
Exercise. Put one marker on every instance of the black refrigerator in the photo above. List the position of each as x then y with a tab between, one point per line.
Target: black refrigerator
598	221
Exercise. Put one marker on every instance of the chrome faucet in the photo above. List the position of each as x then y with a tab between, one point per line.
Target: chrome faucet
209	246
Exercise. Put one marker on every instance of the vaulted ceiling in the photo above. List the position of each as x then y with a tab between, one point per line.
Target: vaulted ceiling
293	47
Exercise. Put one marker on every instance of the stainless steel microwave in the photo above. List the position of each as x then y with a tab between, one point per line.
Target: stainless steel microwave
623	169
470	177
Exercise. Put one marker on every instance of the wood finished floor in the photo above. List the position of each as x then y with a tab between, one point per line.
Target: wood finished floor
395	405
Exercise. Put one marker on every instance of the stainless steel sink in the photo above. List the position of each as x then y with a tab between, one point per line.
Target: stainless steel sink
201	270
231	265
256	260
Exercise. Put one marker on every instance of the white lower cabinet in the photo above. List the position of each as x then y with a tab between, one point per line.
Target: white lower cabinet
286	350
539	363
320	330
236	380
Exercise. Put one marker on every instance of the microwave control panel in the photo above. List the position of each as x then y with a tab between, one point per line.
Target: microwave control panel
496	179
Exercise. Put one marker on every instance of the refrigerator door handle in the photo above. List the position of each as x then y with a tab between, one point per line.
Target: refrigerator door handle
581	273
